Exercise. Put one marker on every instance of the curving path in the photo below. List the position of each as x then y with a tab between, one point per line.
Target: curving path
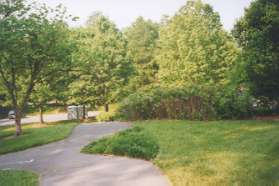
62	164
47	118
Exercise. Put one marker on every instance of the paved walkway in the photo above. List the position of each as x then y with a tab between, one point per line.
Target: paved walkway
62	164
47	118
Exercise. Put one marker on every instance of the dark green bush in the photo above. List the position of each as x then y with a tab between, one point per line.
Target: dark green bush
166	103
134	142
233	104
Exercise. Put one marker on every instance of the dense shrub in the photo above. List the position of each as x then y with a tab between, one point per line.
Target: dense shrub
233	104
134	142
111	115
180	103
106	116
166	103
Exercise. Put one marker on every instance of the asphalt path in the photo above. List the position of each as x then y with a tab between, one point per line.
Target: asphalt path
47	118
62	164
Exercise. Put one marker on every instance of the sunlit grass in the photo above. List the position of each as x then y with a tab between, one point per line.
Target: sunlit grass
18	178
33	135
217	153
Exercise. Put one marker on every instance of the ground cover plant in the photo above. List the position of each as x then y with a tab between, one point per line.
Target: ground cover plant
135	143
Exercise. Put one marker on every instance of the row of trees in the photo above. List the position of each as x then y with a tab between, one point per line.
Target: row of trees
42	59
213	72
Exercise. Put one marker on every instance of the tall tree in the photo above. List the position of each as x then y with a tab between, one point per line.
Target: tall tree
102	63
257	33
33	44
142	38
194	50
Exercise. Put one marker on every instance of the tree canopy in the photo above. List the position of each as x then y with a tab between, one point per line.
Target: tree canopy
142	38
102	61
194	50
257	34
33	45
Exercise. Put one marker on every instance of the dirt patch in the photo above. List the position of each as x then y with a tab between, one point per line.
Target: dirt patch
272	118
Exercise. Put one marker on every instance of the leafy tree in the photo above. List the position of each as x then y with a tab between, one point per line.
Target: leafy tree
142	37
33	44
194	50
52	88
41	95
257	33
102	64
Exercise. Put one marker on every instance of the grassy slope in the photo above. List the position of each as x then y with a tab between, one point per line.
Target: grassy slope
33	135
217	153
18	178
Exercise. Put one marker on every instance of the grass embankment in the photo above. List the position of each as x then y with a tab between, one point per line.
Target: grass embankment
18	178
217	153
134	142
33	135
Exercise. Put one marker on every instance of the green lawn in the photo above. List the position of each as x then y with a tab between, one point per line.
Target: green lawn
18	178
33	135
216	153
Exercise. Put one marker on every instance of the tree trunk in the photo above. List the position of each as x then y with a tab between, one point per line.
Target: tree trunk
18	122
83	113
106	107
41	115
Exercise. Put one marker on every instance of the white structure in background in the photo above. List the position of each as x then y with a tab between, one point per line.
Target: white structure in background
77	112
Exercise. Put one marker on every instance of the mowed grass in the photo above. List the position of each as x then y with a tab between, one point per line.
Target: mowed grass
18	178
217	153
135	142
33	135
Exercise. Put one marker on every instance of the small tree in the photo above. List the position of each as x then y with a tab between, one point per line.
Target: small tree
33	44
41	95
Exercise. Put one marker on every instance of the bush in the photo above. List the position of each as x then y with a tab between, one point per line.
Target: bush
165	103
106	116
233	104
112	115
134	142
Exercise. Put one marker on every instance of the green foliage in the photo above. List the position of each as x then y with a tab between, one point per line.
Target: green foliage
142	37
257	33
234	103
166	103
41	94
195	66
18	178
194	50
157	102
102	65
107	116
34	45
135	142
